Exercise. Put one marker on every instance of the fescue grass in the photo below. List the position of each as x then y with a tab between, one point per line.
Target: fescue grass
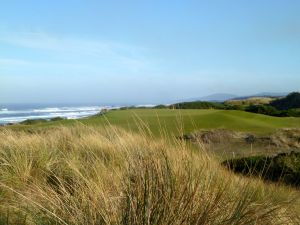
88	175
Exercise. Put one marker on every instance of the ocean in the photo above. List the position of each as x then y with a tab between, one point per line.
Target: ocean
14	113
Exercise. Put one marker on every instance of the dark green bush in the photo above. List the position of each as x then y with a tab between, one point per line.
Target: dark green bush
33	121
292	101
197	105
263	109
283	167
160	107
57	119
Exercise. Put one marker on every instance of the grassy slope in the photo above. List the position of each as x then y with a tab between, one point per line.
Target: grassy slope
190	119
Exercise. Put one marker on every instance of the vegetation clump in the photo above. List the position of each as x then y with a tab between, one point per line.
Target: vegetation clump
39	121
291	101
284	138
263	109
33	121
284	167
272	111
288	106
197	105
57	119
212	136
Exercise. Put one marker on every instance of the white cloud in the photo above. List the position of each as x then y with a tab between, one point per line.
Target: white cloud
13	62
69	49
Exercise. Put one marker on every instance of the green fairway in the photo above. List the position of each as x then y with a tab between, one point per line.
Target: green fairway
178	121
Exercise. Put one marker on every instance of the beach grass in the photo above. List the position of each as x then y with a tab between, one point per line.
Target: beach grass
108	175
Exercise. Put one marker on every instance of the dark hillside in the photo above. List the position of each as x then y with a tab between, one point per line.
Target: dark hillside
292	101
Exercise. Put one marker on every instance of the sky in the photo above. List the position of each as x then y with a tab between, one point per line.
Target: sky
114	52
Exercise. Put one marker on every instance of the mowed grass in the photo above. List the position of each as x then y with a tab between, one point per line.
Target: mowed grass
177	122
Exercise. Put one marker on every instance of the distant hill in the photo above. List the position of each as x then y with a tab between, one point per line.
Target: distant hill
291	101
263	94
222	97
231	99
272	94
218	97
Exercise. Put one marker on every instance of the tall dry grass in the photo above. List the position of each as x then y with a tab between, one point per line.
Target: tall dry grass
84	175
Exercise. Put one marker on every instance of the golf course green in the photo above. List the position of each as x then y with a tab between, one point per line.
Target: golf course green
180	121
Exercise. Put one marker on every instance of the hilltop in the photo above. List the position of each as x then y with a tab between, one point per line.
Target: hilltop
223	97
217	97
250	101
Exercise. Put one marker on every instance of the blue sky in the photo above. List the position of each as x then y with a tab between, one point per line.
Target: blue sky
84	51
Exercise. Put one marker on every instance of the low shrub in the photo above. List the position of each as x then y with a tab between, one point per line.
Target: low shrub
283	167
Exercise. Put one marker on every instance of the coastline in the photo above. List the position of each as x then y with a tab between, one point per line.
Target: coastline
14	116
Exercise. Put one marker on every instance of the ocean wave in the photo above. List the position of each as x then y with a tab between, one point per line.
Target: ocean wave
48	116
146	105
7	112
67	109
16	116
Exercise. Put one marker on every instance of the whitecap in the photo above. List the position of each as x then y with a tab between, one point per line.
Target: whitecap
15	116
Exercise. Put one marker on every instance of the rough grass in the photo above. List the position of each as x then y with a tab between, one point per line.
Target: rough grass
85	175
230	144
